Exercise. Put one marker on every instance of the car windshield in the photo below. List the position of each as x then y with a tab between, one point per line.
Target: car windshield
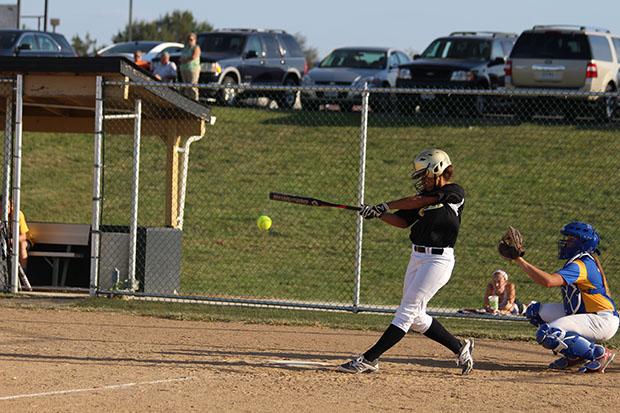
356	59
456	48
7	39
129	48
552	45
221	43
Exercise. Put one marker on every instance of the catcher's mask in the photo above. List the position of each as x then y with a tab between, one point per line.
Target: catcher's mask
578	237
429	162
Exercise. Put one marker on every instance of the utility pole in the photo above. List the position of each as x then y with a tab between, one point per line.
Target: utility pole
130	24
45	17
19	11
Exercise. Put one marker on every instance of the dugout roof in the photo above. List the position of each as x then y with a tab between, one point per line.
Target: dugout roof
59	96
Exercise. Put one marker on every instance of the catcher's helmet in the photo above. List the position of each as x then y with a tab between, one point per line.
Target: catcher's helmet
585	239
429	162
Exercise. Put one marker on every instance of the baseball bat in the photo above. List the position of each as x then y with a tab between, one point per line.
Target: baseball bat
304	200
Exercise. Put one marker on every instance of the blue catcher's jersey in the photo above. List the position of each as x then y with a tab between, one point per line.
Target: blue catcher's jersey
586	289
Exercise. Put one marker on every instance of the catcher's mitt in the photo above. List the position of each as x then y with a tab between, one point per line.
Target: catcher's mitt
511	245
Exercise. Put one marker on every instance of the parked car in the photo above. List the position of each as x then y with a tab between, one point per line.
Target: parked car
151	50
234	57
463	60
34	43
353	67
568	57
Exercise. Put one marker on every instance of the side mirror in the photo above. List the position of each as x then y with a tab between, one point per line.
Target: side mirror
394	66
416	56
24	46
497	61
251	54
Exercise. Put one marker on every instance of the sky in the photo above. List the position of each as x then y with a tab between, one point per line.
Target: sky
327	24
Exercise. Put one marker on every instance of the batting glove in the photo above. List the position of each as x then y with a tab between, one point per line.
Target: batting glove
380	209
367	211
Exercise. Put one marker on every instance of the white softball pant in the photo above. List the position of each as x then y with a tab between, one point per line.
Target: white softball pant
593	326
426	274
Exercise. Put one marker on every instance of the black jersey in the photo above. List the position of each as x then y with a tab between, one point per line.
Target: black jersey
437	225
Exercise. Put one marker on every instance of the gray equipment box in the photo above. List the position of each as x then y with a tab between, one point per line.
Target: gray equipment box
158	259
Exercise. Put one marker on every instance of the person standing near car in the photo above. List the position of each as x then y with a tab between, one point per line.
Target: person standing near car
190	65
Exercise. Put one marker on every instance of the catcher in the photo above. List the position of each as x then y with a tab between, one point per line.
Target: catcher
587	315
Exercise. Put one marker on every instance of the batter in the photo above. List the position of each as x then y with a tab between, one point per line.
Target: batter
434	216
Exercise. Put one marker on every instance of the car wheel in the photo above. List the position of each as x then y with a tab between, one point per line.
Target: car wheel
286	100
227	96
346	107
606	106
523	110
480	105
383	102
310	105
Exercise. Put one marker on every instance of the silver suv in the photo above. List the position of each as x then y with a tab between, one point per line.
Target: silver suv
566	57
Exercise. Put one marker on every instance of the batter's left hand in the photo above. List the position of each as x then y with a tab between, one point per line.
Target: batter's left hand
367	212
380	209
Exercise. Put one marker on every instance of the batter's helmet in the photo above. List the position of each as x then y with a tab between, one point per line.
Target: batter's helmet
430	162
585	239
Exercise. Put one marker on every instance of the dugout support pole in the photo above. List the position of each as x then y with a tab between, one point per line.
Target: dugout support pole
173	144
135	185
96	203
361	183
17	175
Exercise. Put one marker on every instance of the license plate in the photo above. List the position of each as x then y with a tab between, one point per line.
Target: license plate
427	96
331	95
549	76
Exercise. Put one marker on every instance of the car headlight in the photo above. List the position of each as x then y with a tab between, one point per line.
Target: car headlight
371	80
211	68
462	76
404	73
307	81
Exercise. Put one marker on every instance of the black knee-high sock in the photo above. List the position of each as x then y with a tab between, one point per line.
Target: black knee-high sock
438	333
391	336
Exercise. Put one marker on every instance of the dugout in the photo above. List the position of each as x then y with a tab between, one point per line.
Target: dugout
69	96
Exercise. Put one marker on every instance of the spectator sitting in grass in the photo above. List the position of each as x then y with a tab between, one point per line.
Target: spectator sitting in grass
506	293
166	71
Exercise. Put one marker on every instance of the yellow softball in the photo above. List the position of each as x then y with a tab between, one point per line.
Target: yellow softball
263	222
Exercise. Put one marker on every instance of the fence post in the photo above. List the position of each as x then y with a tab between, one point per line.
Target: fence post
359	228
8	136
17	177
135	185
97	167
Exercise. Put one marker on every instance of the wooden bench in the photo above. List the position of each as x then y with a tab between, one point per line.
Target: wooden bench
66	235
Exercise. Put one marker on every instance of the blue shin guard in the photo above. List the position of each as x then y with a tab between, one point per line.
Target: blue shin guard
568	343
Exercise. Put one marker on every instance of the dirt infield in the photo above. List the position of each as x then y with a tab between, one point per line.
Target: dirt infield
64	360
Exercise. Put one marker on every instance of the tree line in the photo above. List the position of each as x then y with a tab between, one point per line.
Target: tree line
171	27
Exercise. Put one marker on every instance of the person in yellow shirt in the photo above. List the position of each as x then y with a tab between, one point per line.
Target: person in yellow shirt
25	238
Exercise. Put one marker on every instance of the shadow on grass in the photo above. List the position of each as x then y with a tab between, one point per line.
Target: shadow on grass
429	119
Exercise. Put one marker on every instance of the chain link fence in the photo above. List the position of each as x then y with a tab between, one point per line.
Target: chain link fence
180	197
534	159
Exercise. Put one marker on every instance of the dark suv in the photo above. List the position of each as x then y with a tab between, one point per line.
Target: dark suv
462	60
34	43
249	57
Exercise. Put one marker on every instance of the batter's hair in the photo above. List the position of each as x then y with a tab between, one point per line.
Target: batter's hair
448	173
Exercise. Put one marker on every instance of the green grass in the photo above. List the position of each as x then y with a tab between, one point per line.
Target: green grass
533	176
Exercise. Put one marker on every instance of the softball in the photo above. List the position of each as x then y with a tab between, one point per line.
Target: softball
263	222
